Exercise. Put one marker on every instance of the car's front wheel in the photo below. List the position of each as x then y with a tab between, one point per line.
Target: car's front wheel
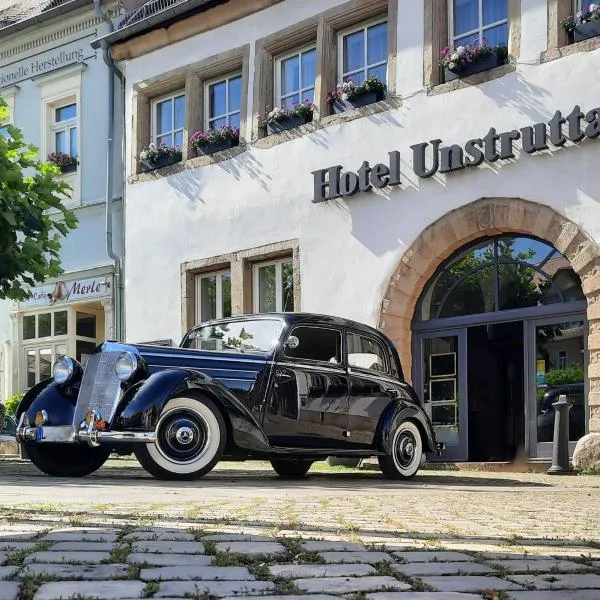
190	437
291	468
66	460
406	452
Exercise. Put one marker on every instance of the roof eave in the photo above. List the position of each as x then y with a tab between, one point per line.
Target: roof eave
43	17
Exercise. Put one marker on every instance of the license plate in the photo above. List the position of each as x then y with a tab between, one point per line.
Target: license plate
39	434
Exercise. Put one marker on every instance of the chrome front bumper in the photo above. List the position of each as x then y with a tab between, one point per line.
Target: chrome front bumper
68	434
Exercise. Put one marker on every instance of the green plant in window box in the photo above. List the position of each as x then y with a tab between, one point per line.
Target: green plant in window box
208	141
65	162
156	156
583	25
348	95
474	58
282	118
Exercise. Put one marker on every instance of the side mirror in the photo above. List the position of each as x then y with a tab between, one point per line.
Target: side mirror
292	342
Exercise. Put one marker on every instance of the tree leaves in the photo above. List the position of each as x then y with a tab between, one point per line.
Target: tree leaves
33	217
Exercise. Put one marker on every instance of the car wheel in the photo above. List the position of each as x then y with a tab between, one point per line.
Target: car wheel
66	460
190	437
406	453
291	468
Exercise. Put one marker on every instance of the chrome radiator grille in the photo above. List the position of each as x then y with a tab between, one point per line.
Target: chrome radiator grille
99	387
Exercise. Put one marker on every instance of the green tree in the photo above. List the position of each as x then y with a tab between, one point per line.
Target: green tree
32	215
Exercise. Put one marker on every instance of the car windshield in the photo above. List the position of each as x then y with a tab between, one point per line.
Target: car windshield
259	335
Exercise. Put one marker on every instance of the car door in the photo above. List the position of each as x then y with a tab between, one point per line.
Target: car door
309	400
371	387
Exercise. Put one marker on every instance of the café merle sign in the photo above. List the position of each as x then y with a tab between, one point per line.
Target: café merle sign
332	183
68	291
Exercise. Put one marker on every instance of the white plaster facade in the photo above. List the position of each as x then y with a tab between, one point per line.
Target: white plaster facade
350	248
44	65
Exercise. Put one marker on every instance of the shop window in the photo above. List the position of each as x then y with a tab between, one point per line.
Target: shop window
168	119
295	76
45	325
39	361
64	128
273	286
502	273
365	353
223	102
213	296
478	21
562	359
363	52
85	325
315	343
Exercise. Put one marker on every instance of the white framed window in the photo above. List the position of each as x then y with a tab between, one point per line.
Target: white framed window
213	296
363	52
168	119
478	21
46	335
63	127
562	359
223	102
295	76
273	286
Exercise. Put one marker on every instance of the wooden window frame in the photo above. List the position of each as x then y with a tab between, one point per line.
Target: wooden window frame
153	122
214	81
277	96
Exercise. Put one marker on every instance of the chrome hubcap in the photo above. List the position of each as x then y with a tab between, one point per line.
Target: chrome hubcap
184	435
405	449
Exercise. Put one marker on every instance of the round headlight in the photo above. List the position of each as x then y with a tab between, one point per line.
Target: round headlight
127	364
63	369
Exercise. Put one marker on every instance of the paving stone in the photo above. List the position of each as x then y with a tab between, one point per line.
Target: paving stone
2	558
332	546
169	560
93	572
193	572
344	585
67	557
422	596
468	583
251	548
17	536
300	571
562	595
81	536
164	546
545	565
495	556
291	597
9	590
559	582
83	547
356	557
433	556
442	568
179	589
16	546
236	537
6	572
105	590
171	536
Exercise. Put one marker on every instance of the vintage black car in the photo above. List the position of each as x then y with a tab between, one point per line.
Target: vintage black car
290	388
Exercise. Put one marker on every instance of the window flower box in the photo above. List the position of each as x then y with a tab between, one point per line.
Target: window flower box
157	156
586	31
215	140
65	162
584	25
217	147
283	118
464	61
348	95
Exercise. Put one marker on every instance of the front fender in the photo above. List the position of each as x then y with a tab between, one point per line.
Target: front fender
57	400
402	411
141	405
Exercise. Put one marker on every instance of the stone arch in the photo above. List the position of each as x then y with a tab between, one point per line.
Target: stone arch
492	216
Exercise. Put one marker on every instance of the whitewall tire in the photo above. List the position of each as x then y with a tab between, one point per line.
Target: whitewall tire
190	436
406	453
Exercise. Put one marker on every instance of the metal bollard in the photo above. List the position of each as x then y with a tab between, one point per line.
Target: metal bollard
560	445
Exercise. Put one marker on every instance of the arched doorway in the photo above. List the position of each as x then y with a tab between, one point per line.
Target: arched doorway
488	310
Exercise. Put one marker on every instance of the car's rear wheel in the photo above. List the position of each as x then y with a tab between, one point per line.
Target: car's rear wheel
190	437
291	468
66	460
406	453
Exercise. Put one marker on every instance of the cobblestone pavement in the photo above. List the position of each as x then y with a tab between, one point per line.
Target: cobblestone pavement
243	532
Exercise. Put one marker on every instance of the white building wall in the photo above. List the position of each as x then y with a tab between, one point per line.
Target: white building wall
349	248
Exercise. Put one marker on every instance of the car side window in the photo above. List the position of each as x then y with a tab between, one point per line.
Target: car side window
314	343
366	353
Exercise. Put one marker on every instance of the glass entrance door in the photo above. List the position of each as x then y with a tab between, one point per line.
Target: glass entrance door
442	384
557	359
